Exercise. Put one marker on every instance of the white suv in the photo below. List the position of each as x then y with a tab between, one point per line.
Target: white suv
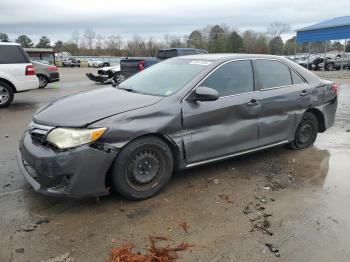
17	73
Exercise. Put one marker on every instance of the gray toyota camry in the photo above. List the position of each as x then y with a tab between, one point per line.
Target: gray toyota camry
180	113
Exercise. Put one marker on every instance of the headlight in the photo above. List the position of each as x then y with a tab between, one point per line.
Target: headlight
71	137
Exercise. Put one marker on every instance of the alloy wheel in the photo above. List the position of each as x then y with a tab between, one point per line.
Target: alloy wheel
4	95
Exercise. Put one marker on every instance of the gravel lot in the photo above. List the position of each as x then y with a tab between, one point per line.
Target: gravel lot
298	201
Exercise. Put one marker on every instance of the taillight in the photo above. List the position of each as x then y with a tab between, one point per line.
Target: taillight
335	89
30	70
141	65
52	68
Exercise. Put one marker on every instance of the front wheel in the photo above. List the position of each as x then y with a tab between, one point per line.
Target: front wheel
142	168
306	132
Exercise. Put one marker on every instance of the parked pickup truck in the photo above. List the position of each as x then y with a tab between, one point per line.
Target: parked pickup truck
130	66
337	61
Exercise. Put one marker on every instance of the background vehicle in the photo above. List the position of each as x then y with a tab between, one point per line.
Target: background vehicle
106	75
97	63
17	73
130	66
335	61
215	107
71	62
46	73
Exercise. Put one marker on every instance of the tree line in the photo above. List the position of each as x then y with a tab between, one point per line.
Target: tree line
215	39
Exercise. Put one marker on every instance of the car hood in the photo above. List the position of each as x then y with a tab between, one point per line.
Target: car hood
88	107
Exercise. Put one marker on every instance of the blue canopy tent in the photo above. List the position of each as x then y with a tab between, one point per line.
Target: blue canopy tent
332	29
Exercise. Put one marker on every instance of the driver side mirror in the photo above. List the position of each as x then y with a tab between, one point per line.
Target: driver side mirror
203	93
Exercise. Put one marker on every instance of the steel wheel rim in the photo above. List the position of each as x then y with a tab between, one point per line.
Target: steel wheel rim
4	95
144	169
305	133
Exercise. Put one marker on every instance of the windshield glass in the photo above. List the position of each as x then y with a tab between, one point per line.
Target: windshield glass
165	78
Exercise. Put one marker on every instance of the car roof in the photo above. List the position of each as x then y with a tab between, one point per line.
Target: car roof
8	43
223	57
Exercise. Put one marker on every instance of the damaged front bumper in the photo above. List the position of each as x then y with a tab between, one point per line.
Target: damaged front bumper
78	172
98	78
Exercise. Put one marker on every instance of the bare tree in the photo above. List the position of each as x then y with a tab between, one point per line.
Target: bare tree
89	36
136	46
276	29
113	44
100	42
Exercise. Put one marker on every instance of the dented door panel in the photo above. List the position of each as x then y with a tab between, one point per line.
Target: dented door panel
219	128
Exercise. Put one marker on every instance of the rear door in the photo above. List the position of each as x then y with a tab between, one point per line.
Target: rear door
284	95
228	125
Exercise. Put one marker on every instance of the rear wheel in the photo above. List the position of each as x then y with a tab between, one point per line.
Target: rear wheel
142	168
42	81
306	132
6	94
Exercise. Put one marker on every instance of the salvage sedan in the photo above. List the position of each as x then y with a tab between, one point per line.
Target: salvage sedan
181	113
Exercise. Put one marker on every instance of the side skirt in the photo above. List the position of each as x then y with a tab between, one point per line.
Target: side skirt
235	154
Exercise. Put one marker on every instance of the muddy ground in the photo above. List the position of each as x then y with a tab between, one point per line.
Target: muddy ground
305	196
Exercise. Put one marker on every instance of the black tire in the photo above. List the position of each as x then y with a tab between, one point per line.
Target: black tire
43	81
142	168
330	67
306	132
64	65
6	94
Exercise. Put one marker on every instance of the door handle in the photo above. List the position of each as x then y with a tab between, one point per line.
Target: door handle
253	102
305	92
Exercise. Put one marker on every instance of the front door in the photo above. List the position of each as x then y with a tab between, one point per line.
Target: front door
228	125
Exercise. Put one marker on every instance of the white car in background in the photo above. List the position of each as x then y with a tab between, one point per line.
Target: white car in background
97	63
17	73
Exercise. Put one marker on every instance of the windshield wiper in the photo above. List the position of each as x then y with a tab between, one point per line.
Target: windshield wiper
127	89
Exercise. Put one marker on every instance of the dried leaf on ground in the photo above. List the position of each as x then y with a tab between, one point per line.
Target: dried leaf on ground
184	226
155	253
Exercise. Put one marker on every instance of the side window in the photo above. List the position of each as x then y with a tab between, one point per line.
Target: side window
161	54
272	73
170	53
188	52
296	78
11	54
232	78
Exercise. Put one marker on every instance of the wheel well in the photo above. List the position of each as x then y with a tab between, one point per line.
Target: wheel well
172	145
320	119
9	83
42	75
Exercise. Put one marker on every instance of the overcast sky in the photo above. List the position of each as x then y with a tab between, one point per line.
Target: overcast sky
58	19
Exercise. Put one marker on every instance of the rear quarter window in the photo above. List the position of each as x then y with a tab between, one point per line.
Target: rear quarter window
296	78
12	54
272	73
